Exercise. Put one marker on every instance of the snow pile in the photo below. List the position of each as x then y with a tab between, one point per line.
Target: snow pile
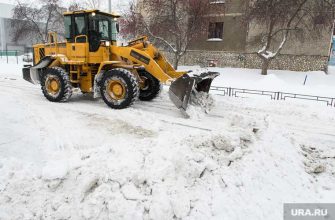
201	103
204	100
194	112
155	185
197	71
55	170
317	160
82	160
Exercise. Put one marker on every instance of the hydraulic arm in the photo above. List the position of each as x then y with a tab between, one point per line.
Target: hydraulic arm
141	51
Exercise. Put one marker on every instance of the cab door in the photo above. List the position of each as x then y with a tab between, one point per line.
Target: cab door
79	45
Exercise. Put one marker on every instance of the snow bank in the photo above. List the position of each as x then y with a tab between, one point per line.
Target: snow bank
317	83
82	160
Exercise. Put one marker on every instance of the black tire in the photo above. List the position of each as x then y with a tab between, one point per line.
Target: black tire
65	88
151	88
130	88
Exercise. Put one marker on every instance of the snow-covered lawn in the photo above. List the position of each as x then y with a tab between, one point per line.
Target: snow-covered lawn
317	83
82	160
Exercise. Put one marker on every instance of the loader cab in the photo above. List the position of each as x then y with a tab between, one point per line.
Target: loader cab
93	27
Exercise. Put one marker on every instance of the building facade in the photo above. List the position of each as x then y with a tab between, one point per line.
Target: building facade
230	42
6	39
225	42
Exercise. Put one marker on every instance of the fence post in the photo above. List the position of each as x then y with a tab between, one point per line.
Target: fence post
305	80
7	52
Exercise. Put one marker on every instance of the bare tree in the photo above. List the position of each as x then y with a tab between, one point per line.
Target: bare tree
131	21
75	6
92	4
172	23
285	18
85	4
30	21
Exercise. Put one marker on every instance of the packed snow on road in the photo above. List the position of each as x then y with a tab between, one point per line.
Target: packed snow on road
242	160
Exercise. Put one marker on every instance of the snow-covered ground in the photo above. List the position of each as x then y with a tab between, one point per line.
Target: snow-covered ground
82	160
317	83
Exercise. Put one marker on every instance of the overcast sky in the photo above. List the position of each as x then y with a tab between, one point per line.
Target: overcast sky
115	3
7	1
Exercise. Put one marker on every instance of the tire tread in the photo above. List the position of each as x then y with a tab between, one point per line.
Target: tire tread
66	94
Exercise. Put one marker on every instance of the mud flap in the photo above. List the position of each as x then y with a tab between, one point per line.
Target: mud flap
32	74
180	90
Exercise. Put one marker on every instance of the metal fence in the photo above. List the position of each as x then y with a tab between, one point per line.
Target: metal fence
10	53
235	92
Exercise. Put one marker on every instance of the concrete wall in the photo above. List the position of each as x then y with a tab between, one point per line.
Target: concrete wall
290	62
252	61
313	42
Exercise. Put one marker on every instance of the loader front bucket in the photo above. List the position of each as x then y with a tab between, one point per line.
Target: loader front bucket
180	90
31	73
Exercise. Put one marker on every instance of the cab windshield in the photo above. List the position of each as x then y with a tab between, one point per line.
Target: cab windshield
104	26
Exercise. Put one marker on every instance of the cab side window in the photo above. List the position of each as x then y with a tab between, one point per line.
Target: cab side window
68	27
80	26
104	29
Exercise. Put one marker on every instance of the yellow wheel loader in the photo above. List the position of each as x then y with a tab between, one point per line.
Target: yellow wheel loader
91	61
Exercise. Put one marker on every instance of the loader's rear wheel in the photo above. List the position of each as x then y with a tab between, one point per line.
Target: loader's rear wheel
150	87
56	85
119	88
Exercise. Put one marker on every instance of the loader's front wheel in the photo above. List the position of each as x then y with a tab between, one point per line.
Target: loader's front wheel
56	85
149	87
119	88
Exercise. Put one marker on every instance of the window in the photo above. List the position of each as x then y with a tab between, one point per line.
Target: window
216	1
80	26
67	24
114	30
215	30
104	29
102	26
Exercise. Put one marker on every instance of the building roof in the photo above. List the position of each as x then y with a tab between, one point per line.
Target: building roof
6	10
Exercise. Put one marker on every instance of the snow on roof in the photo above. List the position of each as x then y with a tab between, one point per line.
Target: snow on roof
6	10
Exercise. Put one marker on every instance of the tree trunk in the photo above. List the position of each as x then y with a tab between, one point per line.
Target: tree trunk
176	61
265	66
